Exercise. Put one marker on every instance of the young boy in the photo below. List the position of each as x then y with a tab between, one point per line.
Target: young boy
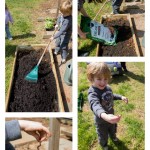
65	30
101	97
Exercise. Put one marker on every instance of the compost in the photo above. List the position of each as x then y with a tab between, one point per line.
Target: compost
125	44
33	97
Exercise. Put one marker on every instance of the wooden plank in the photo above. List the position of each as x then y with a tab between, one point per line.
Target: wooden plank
10	83
46	36
132	30
34	47
133	35
61	106
55	130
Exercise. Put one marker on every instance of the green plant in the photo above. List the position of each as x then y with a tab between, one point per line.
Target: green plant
49	23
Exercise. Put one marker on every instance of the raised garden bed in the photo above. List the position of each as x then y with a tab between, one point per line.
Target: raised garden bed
126	41
25	96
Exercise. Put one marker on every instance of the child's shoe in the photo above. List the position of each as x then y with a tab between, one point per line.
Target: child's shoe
105	148
55	52
115	139
10	39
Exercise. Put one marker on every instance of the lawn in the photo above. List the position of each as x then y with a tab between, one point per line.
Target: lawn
87	45
25	30
130	130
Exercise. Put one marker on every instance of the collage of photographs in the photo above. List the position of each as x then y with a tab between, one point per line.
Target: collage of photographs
74	75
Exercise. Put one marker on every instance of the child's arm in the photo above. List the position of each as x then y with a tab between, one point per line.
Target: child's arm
110	118
10	18
63	28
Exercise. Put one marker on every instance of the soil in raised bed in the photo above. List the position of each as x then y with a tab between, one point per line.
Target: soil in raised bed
33	97
125	44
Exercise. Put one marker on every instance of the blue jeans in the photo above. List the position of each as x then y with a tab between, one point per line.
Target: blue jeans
62	45
8	34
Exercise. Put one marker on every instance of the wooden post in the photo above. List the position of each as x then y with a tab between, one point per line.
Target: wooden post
55	130
58	6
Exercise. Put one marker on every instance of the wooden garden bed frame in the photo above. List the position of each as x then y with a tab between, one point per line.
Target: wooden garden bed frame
132	30
34	47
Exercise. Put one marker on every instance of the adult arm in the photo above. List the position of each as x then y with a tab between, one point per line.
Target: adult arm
12	130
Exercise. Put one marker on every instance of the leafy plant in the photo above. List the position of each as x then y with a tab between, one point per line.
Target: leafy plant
49	23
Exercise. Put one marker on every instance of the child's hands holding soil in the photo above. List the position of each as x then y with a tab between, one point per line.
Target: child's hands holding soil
35	129
125	99
111	118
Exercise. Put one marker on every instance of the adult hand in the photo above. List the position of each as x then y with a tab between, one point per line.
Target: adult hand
125	99
35	129
83	35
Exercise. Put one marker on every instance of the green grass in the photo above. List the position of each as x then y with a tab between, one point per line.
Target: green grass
87	45
23	12
131	130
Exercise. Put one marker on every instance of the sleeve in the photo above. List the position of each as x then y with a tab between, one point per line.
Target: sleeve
117	97
10	18
80	4
63	28
95	105
12	130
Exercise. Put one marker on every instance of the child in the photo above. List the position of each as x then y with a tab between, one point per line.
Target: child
8	18
101	97
65	31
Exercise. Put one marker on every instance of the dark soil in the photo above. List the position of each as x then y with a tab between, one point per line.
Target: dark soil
33	97
125	44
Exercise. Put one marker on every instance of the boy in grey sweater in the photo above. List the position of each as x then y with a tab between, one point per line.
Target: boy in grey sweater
65	30
101	97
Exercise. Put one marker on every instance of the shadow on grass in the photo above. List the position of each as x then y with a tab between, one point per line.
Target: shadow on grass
86	50
119	145
10	50
117	79
23	36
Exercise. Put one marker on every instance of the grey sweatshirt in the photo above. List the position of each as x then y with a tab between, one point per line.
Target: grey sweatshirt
101	101
66	27
12	130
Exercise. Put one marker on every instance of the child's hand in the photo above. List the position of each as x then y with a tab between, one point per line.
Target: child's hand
56	27
125	99
111	118
52	38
